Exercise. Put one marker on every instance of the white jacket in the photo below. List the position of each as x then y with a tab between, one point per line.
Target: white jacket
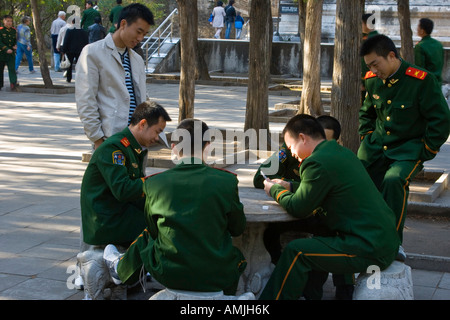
102	98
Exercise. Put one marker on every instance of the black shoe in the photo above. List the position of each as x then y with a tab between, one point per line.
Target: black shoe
344	292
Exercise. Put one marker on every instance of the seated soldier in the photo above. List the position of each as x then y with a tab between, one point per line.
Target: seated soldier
112	201
287	164
344	283
362	226
192	213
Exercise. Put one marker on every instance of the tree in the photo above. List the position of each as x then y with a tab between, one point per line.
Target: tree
345	92
257	108
189	60
48	83
310	102
404	16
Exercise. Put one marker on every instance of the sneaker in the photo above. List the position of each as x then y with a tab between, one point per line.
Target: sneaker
401	255
111	257
33	71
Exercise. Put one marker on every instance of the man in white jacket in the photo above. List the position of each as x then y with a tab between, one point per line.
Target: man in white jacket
110	77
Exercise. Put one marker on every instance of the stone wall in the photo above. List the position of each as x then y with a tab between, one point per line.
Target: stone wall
231	57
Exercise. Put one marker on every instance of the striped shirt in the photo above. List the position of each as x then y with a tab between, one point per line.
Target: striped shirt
129	82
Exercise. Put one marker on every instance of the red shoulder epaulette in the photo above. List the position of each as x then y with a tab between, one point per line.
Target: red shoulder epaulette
125	142
416	73
225	171
369	74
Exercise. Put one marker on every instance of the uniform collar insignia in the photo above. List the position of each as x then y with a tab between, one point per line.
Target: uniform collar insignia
376	97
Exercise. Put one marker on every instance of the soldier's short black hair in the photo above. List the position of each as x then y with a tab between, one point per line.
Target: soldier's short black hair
150	111
135	11
331	123
306	124
427	25
193	126
380	44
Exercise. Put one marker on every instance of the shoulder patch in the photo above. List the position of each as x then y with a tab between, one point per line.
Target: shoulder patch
125	142
225	171
416	73
282	156
369	74
118	157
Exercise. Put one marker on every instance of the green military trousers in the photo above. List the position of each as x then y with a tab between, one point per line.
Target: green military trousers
11	63
392	178
138	256
304	266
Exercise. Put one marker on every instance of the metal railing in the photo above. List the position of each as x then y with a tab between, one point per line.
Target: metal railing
152	45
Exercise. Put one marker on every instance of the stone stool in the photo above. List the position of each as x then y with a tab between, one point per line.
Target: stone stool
393	283
171	294
97	281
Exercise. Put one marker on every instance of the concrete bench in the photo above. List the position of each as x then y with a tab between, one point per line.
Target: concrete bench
393	283
171	294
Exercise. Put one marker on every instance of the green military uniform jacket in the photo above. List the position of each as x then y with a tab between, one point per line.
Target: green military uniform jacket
429	54
88	17
192	212
114	17
405	117
8	39
287	167
332	178
112	198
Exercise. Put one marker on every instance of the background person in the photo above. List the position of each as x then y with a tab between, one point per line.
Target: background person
24	44
57	24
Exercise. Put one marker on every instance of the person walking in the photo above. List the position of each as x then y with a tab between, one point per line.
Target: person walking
218	19
24	44
57	24
230	15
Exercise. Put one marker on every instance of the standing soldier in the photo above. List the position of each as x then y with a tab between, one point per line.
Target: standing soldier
428	52
8	45
403	122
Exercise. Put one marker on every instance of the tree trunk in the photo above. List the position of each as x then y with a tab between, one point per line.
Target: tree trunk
202	72
310	102
189	34
257	108
345	92
301	28
48	83
404	17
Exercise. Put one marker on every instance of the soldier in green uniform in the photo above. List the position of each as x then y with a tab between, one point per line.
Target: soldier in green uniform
88	16
8	45
428	52
271	238
362	225
403	122
114	16
112	198
192	212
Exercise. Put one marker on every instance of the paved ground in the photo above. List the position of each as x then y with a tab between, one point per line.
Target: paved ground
40	177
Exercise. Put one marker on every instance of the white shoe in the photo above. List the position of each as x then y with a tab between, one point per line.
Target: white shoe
111	257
